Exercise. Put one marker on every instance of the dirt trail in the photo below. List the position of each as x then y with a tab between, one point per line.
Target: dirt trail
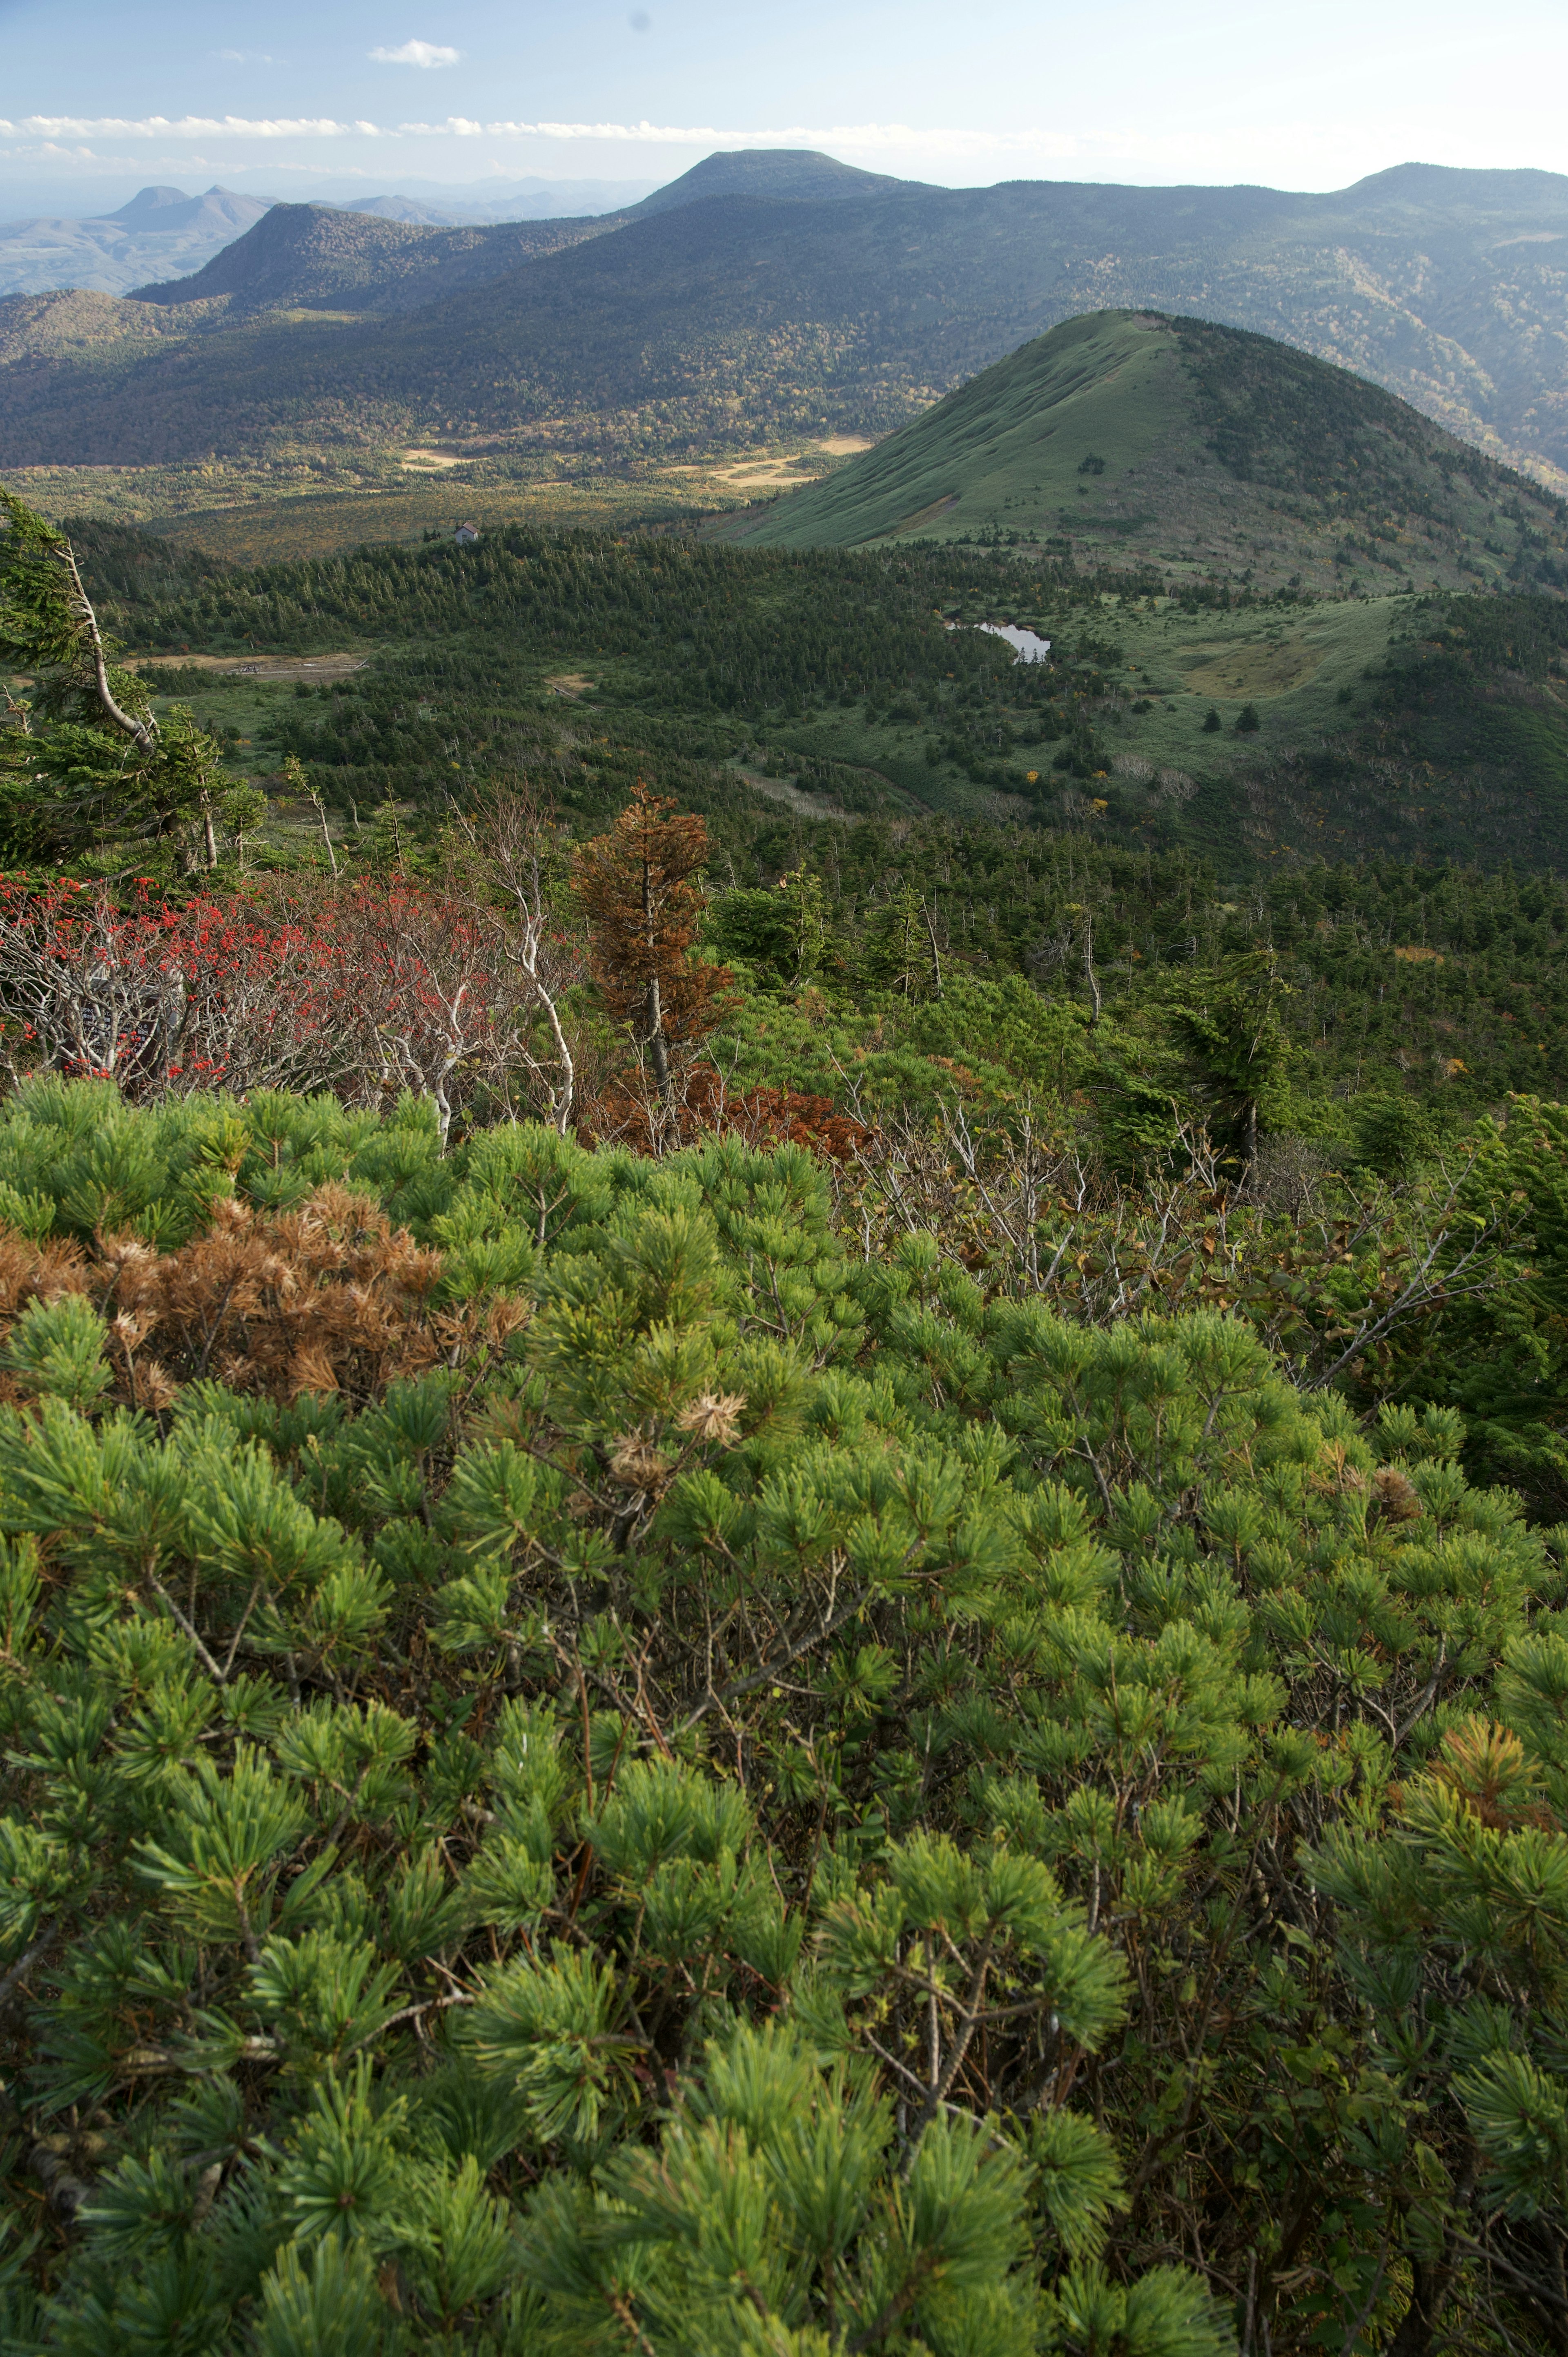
257	666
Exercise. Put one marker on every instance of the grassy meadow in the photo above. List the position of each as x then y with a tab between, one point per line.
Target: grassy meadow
322	504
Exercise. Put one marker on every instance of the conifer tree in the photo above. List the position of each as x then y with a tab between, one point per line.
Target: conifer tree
635	1771
83	757
638	887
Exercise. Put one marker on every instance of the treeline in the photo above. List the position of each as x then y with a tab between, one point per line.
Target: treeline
744	626
1441	984
679	628
1448	982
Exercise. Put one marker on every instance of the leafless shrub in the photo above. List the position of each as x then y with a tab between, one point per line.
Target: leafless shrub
430	1004
216	993
1286	1175
1028	1207
506	870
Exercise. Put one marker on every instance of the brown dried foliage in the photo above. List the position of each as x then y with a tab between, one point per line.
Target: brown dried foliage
1397	1499
328	1296
635	887
1487	1766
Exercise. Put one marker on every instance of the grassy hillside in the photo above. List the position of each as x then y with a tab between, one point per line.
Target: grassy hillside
1190	449
712	323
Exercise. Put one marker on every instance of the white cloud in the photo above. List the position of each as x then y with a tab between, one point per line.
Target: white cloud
418	53
187	126
864	138
49	152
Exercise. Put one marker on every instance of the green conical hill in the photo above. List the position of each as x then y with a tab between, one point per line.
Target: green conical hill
1131	437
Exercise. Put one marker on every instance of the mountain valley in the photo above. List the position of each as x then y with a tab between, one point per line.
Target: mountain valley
744	301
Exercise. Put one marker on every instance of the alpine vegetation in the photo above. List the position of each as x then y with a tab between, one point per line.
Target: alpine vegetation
851	1650
591	1766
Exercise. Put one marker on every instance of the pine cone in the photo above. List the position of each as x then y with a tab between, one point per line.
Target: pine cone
637	1464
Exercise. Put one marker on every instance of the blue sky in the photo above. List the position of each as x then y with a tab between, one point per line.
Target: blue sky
377	93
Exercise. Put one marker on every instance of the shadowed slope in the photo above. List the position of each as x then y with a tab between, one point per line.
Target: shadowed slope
733	316
315	257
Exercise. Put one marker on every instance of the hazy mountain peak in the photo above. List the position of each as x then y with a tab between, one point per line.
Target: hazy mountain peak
1455	185
797	174
339	258
148	201
161	231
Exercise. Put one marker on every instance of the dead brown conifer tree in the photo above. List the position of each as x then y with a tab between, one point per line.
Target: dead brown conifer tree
635	886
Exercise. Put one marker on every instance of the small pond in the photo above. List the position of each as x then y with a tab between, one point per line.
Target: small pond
1027	646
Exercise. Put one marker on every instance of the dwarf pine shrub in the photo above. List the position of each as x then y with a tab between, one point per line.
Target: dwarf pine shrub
589	1769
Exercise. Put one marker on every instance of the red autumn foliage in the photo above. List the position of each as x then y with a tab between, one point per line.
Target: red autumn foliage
452	991
629	1113
362	990
164	1000
431	995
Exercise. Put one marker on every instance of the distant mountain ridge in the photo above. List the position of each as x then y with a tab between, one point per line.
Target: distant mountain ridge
744	301
162	235
161	229
789	175
318	258
466	203
328	257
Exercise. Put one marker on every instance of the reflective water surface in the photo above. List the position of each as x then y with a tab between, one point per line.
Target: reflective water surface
1028	646
1031	648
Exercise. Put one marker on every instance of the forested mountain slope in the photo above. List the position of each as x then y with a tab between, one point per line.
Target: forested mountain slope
740	315
321	257
797	175
1245	728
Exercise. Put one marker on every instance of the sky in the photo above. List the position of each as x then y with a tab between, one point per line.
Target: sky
377	93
